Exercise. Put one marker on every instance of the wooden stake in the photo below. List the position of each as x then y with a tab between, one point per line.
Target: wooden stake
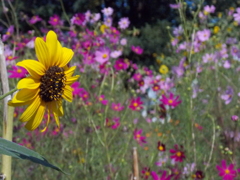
135	165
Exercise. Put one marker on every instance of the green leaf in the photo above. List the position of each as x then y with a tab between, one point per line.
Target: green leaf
15	150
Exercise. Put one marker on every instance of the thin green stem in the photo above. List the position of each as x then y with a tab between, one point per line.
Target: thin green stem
7	94
64	11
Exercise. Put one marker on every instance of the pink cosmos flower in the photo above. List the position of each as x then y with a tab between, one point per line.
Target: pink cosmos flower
55	20
108	21
136	104
170	101
137	135
237	15
102	100
120	64
116	53
117	107
107	11
102	56
76	89
114	123
204	35
78	19
35	19
209	9
17	72
123	23
84	94
164	176
175	6
137	49
226	172
9	32
178	154
137	77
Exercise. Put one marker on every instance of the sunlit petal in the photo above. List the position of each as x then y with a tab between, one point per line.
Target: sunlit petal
25	95
35	68
30	111
42	52
67	55
28	83
67	94
71	80
36	119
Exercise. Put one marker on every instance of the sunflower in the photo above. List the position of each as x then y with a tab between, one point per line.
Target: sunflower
49	82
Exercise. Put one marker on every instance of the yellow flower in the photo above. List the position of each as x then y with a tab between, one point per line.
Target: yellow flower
163	69
216	29
49	82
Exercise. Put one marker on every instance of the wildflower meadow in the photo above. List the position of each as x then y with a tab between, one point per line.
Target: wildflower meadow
88	96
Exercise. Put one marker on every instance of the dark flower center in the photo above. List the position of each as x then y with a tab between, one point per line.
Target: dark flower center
52	84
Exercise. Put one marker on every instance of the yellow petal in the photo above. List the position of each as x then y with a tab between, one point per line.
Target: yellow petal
67	94
36	119
10	103
35	68
31	110
54	48
25	95
67	55
71	80
42	52
70	71
28	83
48	121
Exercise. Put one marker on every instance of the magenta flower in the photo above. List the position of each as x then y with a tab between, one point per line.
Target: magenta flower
78	19
178	154
102	100
203	35
226	172
136	104
102	56
123	23
137	135
9	32
18	72
55	21
117	107
137	77
35	19
120	64
171	100
145	173
76	89
114	123
11	58
164	176
137	49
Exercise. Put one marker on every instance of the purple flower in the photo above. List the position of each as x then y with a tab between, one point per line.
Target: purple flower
8	33
204	35
209	58
209	9
107	11
124	23
55	20
236	16
227	95
35	19
227	64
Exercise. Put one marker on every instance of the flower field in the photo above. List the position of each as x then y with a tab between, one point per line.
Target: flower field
84	96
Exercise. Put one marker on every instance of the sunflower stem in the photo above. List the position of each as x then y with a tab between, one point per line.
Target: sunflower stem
6	94
7	114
